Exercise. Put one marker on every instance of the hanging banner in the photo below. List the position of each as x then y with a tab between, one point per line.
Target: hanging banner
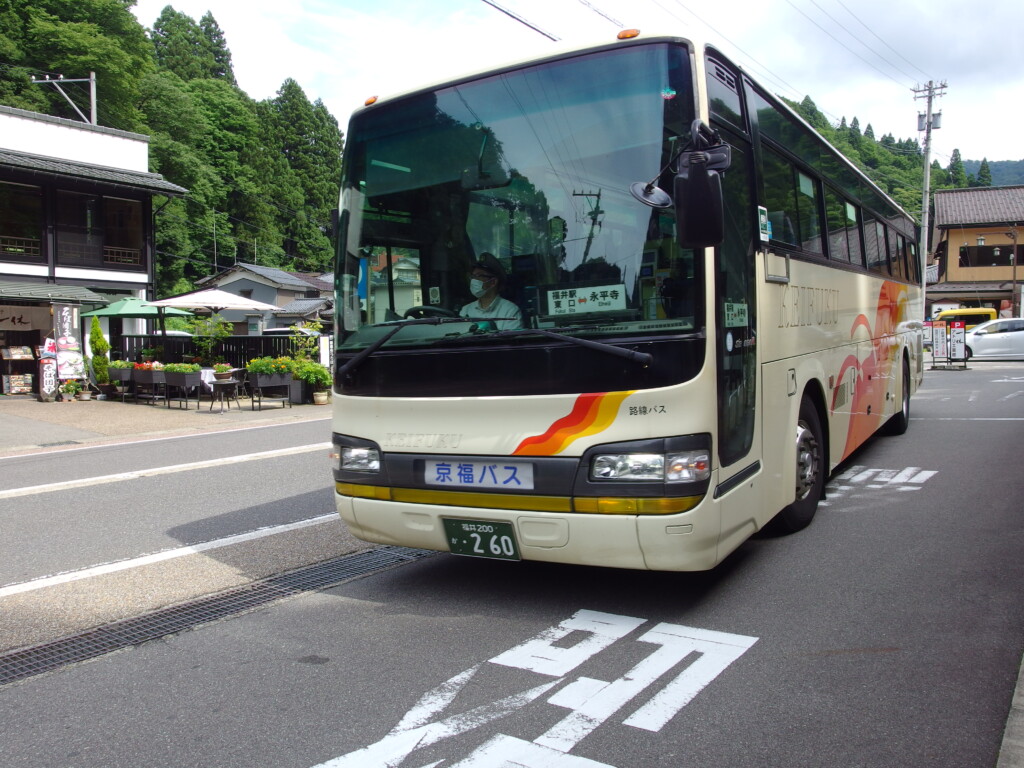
70	362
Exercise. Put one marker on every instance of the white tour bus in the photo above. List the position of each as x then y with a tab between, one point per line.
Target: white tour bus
618	306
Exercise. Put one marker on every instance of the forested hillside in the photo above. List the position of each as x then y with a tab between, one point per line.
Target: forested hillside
263	175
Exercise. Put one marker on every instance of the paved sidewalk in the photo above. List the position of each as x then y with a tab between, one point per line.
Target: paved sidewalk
29	425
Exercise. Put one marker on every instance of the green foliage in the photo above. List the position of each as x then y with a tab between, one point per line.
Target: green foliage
182	368
100	346
207	332
316	375
304	346
270	365
72	38
71	387
121	364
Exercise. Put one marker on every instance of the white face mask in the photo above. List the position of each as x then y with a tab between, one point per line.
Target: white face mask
476	287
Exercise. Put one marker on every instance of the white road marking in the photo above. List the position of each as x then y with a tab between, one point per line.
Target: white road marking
542	656
704	654
85	482
157	557
93	447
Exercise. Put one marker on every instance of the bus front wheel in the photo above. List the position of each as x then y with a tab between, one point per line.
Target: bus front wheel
810	472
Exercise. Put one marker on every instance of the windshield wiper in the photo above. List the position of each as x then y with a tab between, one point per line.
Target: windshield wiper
356	361
643	358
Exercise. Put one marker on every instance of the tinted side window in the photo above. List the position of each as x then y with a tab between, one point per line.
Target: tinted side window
780	198
843	232
723	93
875	246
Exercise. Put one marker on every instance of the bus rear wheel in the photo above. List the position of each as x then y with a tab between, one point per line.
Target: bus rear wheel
810	472
899	421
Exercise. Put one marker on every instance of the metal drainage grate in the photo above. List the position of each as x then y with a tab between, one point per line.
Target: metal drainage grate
47	657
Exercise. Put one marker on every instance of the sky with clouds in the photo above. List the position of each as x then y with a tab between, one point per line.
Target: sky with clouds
854	58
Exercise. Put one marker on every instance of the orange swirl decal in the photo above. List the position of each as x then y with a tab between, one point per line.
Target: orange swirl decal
592	413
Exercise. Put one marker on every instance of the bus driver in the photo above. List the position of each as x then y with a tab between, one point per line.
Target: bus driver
486	279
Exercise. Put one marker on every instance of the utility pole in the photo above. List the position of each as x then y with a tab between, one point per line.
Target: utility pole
925	123
595	215
91	80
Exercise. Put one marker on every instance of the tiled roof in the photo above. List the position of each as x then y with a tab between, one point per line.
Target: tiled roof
151	182
278	276
979	205
303	306
315	281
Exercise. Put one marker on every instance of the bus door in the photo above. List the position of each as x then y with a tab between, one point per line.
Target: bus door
736	350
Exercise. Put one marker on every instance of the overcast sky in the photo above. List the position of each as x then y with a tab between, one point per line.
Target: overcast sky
854	58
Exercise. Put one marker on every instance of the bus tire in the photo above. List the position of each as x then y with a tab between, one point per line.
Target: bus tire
899	421
810	472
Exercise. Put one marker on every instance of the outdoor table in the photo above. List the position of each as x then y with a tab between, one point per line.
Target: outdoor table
225	388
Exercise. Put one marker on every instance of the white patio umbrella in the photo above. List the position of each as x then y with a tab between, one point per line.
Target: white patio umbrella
215	300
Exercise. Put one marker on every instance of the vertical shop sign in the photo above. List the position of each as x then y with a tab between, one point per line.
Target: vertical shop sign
70	362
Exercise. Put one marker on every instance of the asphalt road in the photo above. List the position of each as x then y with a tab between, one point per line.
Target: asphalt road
888	633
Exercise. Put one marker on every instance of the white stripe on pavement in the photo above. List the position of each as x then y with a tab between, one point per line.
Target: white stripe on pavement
85	482
169	554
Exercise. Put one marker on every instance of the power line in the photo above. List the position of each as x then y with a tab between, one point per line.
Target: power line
857	19
522	21
858	40
884	74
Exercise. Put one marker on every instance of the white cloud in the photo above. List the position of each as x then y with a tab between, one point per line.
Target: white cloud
343	52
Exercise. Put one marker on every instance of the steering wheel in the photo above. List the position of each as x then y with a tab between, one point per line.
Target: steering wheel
416	313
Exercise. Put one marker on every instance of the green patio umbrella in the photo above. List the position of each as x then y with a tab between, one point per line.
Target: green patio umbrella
137	308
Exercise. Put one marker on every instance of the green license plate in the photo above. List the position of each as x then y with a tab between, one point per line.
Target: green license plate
478	538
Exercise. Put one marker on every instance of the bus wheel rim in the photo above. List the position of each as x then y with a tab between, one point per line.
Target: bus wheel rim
808	460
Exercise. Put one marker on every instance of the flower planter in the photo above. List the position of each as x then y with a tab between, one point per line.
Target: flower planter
120	374
271	379
321	398
279	385
149	384
184	384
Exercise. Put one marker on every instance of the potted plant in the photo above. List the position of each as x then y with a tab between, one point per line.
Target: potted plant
150	354
318	376
69	388
222	371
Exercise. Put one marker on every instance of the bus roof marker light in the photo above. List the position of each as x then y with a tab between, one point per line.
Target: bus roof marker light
628	34
369	101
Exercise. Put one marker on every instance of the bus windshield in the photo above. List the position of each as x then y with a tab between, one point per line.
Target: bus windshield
502	203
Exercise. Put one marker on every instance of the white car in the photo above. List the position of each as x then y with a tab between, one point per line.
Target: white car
289	332
1001	339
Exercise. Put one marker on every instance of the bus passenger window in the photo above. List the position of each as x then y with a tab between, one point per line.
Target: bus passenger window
780	198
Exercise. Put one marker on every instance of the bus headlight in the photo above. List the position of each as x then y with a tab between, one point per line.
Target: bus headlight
676	467
356	459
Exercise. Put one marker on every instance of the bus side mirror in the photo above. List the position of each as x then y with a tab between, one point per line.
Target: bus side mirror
700	219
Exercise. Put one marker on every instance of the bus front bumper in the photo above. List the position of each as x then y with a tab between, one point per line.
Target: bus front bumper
681	542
